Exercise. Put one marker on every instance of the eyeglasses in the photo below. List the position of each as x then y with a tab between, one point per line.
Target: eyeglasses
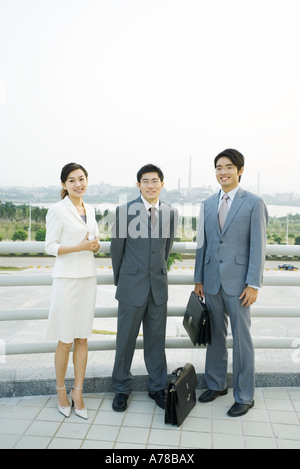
151	182
229	167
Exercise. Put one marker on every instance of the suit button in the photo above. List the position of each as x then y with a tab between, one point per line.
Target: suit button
221	242
221	262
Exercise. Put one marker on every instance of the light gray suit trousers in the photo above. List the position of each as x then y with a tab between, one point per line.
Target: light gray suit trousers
226	262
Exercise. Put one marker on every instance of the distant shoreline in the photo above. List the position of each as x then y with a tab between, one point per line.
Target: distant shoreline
189	209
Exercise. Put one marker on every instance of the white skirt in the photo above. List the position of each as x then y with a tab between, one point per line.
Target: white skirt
72	309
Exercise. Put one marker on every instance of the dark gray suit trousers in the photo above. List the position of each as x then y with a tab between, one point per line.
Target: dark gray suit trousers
154	318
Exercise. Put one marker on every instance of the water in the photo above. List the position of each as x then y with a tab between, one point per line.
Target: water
283	210
192	210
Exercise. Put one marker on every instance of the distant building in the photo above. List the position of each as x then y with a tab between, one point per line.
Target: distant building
285	197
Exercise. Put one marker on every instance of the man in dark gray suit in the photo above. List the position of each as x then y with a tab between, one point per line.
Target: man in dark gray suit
142	239
228	272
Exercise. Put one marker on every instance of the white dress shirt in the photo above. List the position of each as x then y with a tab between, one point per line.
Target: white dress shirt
148	205
231	196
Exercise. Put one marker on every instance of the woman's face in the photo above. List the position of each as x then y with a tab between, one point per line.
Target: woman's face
76	184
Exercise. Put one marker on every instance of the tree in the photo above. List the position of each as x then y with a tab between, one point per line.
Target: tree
8	211
40	235
172	259
277	239
20	235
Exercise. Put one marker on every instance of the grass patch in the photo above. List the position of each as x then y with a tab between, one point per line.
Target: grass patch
12	269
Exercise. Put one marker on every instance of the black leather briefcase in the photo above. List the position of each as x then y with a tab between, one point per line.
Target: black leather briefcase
196	321
181	395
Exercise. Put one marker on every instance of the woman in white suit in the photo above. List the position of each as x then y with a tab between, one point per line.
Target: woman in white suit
72	236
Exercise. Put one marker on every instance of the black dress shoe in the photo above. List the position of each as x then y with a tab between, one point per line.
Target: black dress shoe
159	397
237	410
209	396
120	402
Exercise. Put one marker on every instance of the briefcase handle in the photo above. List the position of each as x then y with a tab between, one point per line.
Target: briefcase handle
178	371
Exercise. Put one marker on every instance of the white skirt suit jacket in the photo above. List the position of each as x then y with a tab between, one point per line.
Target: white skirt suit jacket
74	288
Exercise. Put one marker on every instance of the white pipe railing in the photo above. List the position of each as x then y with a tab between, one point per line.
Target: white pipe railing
171	343
38	280
14	280
38	247
173	311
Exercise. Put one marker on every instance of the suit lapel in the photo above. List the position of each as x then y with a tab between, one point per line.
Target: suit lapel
90	214
143	212
163	218
235	206
72	208
214	209
162	227
137	215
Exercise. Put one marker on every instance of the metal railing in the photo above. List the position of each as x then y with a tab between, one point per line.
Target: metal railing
14	280
38	247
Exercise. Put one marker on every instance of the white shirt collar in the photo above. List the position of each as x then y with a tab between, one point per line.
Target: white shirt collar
231	194
148	205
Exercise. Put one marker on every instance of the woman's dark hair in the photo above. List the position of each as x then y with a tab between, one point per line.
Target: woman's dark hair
235	157
149	168
69	168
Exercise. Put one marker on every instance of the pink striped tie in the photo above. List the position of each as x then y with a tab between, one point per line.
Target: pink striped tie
153	216
223	211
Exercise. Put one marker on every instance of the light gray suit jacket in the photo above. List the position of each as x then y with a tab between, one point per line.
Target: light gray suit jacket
139	255
235	257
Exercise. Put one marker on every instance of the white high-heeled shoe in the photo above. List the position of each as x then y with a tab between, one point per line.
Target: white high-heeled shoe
65	411
82	413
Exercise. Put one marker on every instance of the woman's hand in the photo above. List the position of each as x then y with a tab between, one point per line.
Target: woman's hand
88	244
96	243
85	245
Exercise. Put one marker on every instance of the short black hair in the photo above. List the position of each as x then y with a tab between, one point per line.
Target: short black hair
149	168
235	157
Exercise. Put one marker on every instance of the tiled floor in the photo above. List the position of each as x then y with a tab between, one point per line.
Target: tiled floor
34	422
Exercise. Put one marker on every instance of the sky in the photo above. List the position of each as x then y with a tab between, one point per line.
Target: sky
116	84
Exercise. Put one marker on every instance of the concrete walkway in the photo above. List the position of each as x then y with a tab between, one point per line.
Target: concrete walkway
34	422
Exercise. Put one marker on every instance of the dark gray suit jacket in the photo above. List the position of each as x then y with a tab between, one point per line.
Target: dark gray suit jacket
139	254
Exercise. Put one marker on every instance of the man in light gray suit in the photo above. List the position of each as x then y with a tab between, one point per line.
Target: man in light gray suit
142	239
228	272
